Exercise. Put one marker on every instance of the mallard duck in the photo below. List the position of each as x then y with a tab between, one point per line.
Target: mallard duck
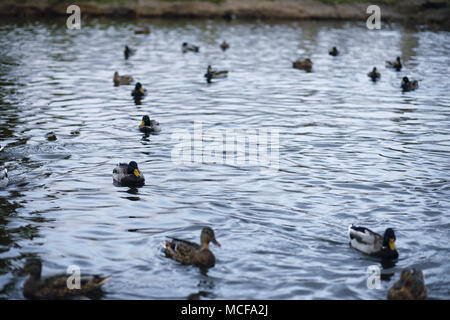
397	64
3	177
138	92
56	286
118	80
189	47
303	65
374	74
128	175
334	52
149	126
214	74
224	46
189	253
145	30
409	85
128	52
411	286
371	243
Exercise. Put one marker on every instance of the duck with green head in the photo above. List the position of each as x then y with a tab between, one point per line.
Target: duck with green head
149	126
303	64
138	92
408	85
411	286
56	287
128	175
190	253
374	74
185	47
128	52
334	52
397	64
214	74
373	244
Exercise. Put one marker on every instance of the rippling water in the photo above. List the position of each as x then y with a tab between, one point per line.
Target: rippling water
350	151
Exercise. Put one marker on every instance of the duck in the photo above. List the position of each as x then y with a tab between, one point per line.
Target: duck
408	85
128	52
224	46
56	287
373	244
397	64
411	286
149	126
128	175
214	74
374	74
303	65
189	47
138	92
4	180
189	253
145	30
334	52
118	80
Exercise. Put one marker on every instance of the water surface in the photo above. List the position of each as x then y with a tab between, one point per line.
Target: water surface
350	151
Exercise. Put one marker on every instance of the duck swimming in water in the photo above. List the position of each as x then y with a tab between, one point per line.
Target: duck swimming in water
224	46
118	80
411	286
128	175
214	74
374	74
128	52
334	52
56	287
373	244
185	47
190	253
145	30
407	85
303	65
138	92
3	177
149	126
397	64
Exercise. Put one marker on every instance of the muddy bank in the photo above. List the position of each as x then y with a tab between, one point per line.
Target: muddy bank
415	11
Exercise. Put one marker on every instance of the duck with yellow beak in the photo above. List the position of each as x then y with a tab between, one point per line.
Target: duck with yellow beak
373	244
149	126
128	175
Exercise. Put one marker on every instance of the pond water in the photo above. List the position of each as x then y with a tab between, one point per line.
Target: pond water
342	150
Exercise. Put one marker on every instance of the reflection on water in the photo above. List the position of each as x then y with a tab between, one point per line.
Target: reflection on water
351	151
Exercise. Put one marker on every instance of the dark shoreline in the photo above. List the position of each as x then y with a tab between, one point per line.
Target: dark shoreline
414	11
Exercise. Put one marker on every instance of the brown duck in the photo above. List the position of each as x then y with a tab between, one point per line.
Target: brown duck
118	80
56	286
411	286
145	30
303	65
190	253
224	46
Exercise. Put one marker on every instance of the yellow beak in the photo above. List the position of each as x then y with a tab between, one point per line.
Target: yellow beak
142	124
136	173
392	244
141	90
